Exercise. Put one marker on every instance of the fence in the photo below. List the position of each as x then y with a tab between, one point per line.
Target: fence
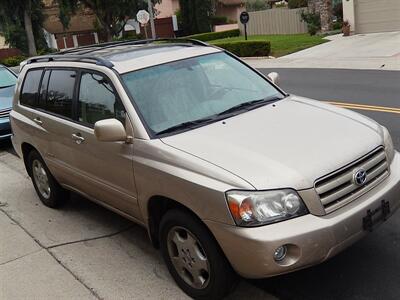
275	21
7	52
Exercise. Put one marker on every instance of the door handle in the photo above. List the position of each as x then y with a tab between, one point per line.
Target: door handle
78	138
38	121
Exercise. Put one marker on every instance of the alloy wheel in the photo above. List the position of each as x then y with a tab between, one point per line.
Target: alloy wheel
188	257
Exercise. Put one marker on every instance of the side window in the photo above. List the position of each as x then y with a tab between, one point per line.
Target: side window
97	100
30	88
43	89
60	92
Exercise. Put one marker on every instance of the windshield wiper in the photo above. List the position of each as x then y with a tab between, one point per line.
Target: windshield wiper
185	125
6	86
249	105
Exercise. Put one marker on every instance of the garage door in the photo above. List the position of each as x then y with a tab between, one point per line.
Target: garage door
377	15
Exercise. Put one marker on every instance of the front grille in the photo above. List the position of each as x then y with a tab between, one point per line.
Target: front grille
338	189
5	113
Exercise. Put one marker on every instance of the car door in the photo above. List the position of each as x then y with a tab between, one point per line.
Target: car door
102	170
29	121
54	114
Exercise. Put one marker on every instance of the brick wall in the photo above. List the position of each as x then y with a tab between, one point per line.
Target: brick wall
7	52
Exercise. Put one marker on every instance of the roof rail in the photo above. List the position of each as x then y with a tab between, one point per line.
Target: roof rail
94	47
70	56
76	58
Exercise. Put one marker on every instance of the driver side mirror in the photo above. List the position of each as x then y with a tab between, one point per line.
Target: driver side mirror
274	77
110	130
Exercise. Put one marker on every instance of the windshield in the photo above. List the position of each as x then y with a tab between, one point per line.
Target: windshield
6	78
194	90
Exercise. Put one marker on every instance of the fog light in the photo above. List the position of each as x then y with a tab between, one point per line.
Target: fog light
280	253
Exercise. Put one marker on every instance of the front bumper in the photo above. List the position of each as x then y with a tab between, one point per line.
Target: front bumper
5	128
311	239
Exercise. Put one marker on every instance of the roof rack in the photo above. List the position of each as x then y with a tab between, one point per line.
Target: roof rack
76	58
95	47
70	56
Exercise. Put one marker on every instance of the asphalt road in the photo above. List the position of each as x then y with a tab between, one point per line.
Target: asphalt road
370	268
377	88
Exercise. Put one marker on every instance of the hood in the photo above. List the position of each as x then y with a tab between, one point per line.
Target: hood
6	97
286	145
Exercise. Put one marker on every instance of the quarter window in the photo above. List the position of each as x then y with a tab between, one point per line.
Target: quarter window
30	89
60	92
98	100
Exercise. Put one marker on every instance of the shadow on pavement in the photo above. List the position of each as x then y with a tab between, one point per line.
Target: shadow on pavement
6	145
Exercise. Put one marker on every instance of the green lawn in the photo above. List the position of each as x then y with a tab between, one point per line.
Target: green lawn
282	44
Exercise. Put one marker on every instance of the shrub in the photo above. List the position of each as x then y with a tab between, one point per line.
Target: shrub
219	20
195	15
13	60
313	21
246	48
337	25
209	36
46	51
297	3
256	5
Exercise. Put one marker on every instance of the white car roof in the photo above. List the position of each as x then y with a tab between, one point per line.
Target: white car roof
134	58
125	57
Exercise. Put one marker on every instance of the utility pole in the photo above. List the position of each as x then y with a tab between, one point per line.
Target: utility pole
153	29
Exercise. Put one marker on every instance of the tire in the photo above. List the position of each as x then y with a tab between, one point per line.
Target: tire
55	196
219	280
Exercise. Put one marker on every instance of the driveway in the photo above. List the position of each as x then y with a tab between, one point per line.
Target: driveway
375	51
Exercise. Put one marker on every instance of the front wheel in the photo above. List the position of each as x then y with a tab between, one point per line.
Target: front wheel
193	257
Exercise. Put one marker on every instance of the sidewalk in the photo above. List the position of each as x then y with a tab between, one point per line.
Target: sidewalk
375	51
81	251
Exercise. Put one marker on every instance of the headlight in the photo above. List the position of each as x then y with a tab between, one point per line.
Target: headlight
388	143
254	208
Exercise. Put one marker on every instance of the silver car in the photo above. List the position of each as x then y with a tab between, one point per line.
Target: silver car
228	173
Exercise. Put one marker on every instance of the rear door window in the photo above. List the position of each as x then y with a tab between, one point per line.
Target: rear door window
30	89
60	92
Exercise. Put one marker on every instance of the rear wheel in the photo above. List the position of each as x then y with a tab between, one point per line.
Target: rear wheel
193	257
49	191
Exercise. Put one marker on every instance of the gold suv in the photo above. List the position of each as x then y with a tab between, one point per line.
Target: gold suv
228	173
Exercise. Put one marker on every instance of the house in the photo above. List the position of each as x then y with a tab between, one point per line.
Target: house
80	32
167	8
3	44
227	8
367	16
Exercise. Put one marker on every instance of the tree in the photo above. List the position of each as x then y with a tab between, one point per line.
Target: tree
21	23
324	9
196	15
297	3
256	5
111	15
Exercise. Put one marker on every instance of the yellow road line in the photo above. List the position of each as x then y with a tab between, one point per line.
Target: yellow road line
367	107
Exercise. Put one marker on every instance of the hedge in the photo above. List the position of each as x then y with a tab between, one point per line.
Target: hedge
209	36
13	61
247	48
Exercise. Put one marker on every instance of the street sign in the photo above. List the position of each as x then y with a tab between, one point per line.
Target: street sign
244	19
143	17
